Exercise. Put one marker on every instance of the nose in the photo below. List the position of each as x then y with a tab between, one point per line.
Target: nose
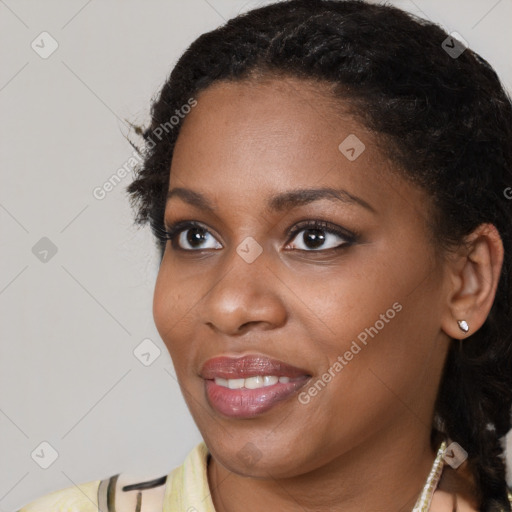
245	297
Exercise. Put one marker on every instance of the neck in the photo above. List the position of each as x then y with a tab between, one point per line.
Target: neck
384	473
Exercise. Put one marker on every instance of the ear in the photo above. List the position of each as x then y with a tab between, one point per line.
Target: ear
474	272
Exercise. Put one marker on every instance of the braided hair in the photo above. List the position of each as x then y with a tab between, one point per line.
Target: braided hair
447	123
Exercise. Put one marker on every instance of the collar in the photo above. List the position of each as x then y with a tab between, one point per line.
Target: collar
188	489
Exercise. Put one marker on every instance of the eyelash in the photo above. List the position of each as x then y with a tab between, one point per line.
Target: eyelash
349	237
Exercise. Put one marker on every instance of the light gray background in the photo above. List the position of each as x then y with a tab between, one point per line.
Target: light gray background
68	375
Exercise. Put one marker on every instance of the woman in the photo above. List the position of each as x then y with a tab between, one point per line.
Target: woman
329	185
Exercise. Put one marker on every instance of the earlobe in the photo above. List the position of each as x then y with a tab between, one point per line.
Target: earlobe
474	276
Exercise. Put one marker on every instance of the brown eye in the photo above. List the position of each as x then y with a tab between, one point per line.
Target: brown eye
191	236
194	236
319	235
313	238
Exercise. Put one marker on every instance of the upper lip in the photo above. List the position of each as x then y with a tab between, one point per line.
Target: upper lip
228	367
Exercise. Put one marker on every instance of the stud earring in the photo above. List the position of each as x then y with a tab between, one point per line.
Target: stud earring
463	325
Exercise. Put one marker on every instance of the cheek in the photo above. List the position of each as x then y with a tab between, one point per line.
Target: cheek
378	313
171	312
338	303
162	299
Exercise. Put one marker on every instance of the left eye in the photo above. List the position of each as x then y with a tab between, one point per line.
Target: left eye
319	236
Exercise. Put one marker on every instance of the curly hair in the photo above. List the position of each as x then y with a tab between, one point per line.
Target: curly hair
447	123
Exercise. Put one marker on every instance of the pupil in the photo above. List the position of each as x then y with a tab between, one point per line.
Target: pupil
316	237
195	236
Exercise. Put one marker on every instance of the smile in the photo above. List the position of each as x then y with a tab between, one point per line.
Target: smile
260	381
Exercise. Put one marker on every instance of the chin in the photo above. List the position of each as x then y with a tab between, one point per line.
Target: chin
256	456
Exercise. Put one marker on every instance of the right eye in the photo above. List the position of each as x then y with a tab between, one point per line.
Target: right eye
190	233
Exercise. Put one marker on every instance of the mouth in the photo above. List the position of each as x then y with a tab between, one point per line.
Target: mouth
248	386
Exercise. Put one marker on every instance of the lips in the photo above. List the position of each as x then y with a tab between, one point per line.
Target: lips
233	390
248	366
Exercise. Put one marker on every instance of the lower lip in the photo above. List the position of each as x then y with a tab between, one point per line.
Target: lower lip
247	403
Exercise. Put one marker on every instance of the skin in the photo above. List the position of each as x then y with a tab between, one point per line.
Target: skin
362	443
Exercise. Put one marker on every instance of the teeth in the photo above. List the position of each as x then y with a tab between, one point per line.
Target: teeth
253	382
269	380
258	381
236	383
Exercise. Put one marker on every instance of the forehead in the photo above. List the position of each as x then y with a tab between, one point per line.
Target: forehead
271	133
267	107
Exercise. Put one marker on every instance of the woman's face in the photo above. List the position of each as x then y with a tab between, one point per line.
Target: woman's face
352	305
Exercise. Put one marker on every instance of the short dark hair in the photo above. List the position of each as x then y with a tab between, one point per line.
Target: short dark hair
447	123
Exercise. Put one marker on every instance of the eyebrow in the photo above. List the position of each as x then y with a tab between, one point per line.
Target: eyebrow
279	202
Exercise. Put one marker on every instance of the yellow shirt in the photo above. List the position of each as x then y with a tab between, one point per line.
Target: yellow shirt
184	489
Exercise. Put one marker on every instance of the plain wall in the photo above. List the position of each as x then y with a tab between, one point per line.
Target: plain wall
68	374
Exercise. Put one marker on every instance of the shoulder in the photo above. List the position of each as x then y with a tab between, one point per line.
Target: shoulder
443	501
456	491
82	497
182	487
119	493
